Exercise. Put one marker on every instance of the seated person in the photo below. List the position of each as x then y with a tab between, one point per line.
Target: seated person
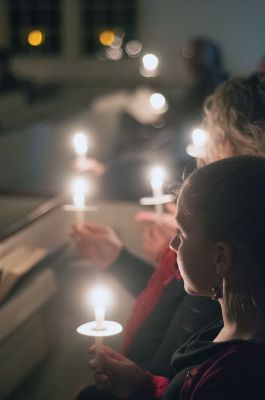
220	251
164	316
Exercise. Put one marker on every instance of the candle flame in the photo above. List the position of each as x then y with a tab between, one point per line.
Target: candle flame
99	297
157	177
199	137
150	62
80	143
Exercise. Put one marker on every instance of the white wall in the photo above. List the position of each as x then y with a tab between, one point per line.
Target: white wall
238	26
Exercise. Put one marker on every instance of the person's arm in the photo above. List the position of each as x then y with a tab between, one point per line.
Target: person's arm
131	271
105	251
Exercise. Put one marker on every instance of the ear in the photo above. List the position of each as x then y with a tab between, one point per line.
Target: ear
224	257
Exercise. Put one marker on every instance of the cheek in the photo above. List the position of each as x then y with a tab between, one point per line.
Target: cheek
196	270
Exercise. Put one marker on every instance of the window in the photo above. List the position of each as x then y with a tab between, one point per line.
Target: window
114	21
35	26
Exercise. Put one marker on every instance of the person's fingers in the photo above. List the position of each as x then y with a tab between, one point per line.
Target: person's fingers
145	216
96	227
92	364
102	379
171	208
92	349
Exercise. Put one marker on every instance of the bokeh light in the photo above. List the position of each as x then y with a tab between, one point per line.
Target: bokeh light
150	62
133	48
158	102
80	143
36	38
106	37
114	53
199	137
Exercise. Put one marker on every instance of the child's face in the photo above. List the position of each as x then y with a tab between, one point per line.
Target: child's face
195	256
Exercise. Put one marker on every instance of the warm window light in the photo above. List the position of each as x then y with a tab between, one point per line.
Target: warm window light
80	143
106	38
199	137
150	62
36	38
158	102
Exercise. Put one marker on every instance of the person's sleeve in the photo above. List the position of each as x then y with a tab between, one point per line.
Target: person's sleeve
152	388
131	271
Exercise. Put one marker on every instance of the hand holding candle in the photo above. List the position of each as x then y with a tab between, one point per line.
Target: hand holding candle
100	327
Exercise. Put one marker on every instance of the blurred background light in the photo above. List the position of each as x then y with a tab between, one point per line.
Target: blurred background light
199	137
106	37
133	48
114	53
158	102
36	38
150	62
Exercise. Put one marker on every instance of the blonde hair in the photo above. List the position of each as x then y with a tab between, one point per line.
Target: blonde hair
235	119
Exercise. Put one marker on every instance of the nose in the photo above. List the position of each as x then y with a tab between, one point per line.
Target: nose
174	244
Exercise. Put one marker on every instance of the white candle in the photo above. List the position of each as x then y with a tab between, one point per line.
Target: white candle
99	317
99	298
199	141
157	182
79	199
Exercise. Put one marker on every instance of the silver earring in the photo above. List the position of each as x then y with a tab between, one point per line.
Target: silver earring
216	293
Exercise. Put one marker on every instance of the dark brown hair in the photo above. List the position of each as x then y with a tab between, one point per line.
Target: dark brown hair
227	199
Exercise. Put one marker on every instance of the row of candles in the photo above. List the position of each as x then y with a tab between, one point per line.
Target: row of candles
157	175
100	327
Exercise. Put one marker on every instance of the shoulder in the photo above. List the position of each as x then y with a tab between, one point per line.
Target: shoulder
235	373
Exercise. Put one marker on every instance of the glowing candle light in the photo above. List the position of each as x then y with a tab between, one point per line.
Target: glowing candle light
150	62
81	146
158	102
79	198
198	145
157	182
149	66
99	297
199	137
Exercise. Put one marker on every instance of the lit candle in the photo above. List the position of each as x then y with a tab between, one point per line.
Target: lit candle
198	145
99	298
158	102
79	199
150	64
99	328
157	181
81	147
